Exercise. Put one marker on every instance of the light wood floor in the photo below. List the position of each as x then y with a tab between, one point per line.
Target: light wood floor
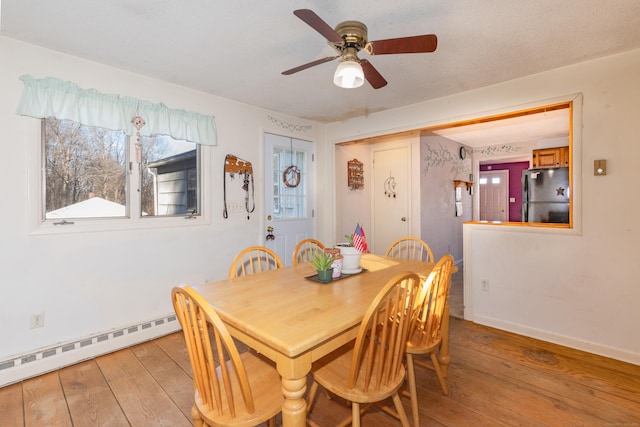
495	379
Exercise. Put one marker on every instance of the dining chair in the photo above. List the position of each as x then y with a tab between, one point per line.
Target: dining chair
305	250
231	388
425	330
411	248
254	259
372	369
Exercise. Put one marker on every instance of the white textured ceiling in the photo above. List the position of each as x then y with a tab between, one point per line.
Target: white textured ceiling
531	127
238	49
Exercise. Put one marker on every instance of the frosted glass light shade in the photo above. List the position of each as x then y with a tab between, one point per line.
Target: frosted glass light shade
348	75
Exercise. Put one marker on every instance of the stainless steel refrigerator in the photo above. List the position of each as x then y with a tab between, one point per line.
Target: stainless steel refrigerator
545	195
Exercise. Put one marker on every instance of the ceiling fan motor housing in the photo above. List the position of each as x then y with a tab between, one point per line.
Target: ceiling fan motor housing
353	33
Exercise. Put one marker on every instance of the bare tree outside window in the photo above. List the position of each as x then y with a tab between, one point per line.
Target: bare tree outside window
81	163
86	173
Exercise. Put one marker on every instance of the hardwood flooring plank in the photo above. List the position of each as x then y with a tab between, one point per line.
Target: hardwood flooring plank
171	377
11	406
44	402
90	401
437	409
597	372
469	401
175	347
330	412
511	401
592	404
143	401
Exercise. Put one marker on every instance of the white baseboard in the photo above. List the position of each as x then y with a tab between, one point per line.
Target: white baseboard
38	362
567	341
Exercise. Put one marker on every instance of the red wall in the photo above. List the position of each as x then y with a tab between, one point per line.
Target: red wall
515	185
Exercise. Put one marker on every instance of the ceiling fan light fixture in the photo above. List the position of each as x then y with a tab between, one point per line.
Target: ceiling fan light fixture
348	75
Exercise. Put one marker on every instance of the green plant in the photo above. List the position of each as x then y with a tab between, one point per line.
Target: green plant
322	261
349	239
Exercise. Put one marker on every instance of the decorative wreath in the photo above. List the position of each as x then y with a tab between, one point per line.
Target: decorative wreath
291	176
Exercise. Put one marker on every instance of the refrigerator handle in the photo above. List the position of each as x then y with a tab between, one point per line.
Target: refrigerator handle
525	198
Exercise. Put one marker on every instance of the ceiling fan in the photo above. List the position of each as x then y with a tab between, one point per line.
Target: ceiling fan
348	38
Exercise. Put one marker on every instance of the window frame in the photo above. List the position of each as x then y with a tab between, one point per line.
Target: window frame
36	198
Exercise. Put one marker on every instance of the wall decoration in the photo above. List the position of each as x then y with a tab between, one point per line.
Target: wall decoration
442	156
499	149
138	122
290	126
355	174
291	175
390	187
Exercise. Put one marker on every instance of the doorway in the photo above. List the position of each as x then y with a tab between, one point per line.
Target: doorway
288	182
494	194
391	190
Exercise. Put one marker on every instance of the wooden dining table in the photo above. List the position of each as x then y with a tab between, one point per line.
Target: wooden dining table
294	320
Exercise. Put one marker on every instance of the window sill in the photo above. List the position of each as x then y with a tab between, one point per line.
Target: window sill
120	224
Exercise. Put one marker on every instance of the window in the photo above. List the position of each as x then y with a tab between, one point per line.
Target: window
288	202
96	173
170	184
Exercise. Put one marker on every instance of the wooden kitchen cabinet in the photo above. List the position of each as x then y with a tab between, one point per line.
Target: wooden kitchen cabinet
551	157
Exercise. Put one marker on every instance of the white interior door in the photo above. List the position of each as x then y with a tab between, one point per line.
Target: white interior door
391	191
289	209
494	195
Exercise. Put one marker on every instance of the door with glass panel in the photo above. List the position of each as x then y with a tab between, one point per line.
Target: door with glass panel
288	193
494	193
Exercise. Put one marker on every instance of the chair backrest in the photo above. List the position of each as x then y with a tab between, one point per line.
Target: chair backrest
254	259
425	326
411	248
214	381
305	250
382	338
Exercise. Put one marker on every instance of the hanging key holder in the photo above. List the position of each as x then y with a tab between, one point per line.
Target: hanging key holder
234	165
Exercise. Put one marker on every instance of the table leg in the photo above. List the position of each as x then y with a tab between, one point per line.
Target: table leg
293	373
443	354
294	408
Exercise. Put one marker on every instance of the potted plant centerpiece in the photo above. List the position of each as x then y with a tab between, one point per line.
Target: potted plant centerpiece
322	262
337	261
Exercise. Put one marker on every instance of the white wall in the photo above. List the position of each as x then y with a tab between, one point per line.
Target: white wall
581	288
89	283
441	164
356	206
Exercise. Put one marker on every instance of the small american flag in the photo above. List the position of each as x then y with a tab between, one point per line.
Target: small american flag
360	240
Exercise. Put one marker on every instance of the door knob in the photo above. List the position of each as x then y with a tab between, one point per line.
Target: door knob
403	219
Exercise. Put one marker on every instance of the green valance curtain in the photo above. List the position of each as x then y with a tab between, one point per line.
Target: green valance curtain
51	97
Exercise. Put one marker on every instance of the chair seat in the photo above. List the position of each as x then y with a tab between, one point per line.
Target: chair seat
332	370
415	345
263	377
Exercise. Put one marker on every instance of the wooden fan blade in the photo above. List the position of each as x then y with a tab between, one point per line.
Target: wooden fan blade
372	75
315	22
415	44
310	64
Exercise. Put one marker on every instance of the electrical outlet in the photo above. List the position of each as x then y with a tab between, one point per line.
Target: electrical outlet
37	320
484	285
